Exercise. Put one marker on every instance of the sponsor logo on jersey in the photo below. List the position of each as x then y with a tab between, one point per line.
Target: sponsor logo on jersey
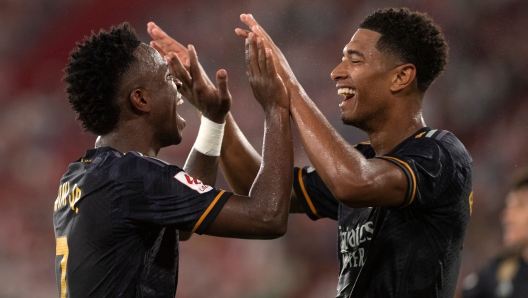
192	183
351	242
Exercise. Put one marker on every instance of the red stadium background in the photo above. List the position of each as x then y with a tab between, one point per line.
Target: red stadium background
482	97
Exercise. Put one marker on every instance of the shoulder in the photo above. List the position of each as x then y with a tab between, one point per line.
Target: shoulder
136	157
118	166
438	145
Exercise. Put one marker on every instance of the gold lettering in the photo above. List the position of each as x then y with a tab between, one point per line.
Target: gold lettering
66	196
470	203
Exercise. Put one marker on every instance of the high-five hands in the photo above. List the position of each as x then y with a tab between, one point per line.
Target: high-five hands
281	64
268	87
214	103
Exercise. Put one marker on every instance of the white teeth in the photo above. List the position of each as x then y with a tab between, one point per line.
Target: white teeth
346	91
179	99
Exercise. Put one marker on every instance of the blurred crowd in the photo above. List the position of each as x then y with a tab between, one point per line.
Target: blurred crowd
482	97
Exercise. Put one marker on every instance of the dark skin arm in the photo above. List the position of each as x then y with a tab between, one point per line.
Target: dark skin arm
214	103
264	213
239	161
354	180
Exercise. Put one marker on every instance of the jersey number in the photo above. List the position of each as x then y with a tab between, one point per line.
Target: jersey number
470	203
62	250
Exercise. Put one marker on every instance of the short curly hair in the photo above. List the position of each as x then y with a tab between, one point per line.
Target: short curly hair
94	73
413	38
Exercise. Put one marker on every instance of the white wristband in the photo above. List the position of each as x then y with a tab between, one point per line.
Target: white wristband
209	139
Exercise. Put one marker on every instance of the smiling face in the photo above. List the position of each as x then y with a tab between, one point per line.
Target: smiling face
515	218
161	92
363	79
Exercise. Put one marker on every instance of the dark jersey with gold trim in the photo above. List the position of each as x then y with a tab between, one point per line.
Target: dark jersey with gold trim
413	250
116	221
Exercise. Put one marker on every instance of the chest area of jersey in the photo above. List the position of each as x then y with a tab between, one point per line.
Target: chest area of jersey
356	229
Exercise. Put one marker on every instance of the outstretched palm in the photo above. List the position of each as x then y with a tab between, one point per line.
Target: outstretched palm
214	103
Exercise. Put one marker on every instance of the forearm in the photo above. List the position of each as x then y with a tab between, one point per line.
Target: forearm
330	154
202	167
202	162
276	169
239	161
264	214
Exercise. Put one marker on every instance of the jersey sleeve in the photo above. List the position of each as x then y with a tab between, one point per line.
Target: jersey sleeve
315	198
165	195
429	169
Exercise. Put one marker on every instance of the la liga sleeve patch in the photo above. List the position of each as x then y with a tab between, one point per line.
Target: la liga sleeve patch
192	183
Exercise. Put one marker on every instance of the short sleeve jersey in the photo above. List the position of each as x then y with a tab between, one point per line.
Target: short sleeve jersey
412	250
116	220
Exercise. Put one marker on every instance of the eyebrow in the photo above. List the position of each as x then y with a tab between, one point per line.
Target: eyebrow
354	52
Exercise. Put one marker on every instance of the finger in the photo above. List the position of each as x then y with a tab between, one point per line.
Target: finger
167	43
160	50
258	30
270	66
251	56
242	32
262	57
178	70
195	68
248	20
253	51
249	71
164	41
253	25
221	82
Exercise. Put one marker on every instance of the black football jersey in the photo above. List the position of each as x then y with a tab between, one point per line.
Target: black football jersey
116	220
412	250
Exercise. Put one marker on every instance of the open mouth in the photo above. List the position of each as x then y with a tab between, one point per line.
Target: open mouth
180	99
347	93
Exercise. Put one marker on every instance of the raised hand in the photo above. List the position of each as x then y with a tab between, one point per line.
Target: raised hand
213	103
281	64
268	87
165	44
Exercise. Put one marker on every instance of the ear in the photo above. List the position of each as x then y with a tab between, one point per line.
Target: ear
403	76
139	100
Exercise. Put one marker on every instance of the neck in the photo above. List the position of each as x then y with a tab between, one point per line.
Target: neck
131	137
392	132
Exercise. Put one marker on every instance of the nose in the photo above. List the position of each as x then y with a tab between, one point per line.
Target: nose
339	73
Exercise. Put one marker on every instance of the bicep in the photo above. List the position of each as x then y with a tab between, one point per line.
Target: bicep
240	218
381	182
